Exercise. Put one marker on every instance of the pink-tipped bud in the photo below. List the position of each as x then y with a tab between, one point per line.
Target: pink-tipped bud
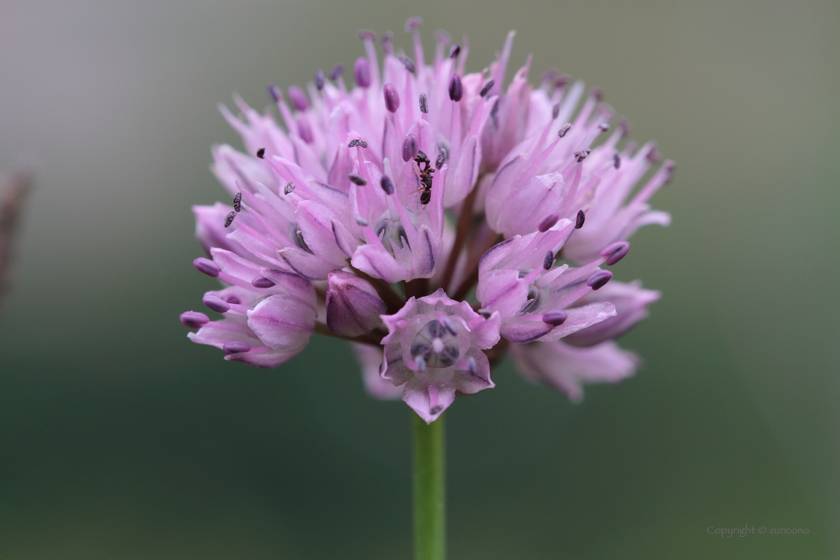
353	306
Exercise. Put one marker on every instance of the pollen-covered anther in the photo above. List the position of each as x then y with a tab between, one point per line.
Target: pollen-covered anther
614	252
456	89
392	98
236	347
616	161
262	282
357	179
564	130
581	155
361	72
288	188
424	104
548	222
580	219
229	218
409	147
408	63
486	89
216	303
237	202
599	279
357	142
554	318
194	319
207	266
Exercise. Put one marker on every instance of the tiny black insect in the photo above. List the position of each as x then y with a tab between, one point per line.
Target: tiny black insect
426	172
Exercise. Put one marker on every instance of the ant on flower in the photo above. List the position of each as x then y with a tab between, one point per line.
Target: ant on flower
426	175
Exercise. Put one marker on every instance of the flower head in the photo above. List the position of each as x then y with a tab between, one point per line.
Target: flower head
436	217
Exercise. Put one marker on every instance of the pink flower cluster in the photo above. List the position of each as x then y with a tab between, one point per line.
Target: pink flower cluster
434	218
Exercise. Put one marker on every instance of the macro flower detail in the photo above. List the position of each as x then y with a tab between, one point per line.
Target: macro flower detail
437	219
434	348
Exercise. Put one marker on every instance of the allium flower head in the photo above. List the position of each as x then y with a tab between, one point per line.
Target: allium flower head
433	217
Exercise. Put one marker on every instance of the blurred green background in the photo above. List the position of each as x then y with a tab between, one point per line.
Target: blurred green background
119	439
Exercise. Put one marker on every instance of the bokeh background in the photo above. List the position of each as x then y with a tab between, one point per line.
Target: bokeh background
121	440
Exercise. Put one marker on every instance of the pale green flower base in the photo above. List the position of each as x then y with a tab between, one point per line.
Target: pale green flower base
429	489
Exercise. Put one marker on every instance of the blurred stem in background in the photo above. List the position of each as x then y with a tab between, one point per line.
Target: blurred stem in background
429	489
14	190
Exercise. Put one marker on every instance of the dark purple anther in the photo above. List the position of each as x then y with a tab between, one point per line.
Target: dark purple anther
581	155
237	202
261	282
653	155
450	326
484	312
387	185
261	153
275	93
233	300
614	252
616	161
288	188
409	147
408	63
413	23
229	218
305	130
194	319
599	279
548	261
581	217
357	179
319	80
336	72
207	266
388	43
548	222
555	318
443	155
236	347
357	142
454	51
624	125
392	98
216	303
361	72
564	129
424	103
555	111
298	98
487	87
456	90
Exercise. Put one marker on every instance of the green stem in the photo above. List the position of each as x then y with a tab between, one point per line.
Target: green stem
429	490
